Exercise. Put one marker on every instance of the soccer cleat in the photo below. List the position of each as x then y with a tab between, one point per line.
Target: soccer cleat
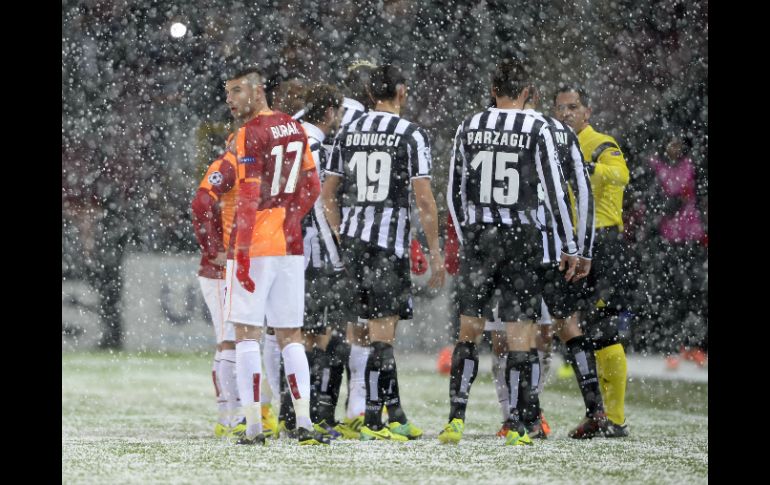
536	432
591	426
221	431
283	430
513	438
269	422
565	371
503	432
546	427
308	437
453	432
350	428
407	429
327	430
368	434
259	439
616	430
239	430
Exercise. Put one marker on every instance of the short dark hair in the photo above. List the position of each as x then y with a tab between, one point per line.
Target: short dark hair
510	78
318	99
356	80
384	80
245	71
585	100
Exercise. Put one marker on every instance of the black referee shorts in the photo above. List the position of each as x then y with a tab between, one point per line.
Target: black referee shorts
612	277
499	266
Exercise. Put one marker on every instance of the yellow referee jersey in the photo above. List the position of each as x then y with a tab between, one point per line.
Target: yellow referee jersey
609	175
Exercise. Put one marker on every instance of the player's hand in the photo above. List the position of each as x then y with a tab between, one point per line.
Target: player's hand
437	271
570	262
243	263
583	268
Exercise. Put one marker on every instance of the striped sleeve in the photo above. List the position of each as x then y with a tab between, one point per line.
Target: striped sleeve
555	188
334	162
420	160
585	199
454	195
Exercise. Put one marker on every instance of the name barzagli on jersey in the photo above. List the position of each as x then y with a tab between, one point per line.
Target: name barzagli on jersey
375	139
488	137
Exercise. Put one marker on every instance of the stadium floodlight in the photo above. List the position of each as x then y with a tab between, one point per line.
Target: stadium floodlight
178	30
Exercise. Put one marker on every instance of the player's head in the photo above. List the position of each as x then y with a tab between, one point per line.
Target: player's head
511	80
571	105
533	100
356	81
289	94
323	103
245	93
388	84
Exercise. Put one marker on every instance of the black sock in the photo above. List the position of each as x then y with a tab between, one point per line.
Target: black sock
518	371
321	378
531	412
465	366
339	353
389	383
374	397
286	411
315	382
584	363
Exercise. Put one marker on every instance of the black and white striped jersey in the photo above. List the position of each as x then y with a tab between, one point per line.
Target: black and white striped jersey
353	111
321	247
377	157
577	177
504	162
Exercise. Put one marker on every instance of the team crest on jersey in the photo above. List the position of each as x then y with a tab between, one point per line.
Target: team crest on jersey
215	178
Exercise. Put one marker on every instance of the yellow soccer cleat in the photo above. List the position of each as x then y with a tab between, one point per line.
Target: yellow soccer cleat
269	422
407	429
368	434
453	432
513	438
350	428
221	431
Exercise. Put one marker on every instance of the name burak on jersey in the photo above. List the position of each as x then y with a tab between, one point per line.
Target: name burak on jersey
521	140
284	130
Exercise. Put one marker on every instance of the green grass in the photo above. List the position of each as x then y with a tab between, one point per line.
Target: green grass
128	418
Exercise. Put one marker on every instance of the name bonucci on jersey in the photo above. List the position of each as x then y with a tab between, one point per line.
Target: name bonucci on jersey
378	155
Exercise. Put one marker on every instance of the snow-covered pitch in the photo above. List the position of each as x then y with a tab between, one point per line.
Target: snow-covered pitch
129	418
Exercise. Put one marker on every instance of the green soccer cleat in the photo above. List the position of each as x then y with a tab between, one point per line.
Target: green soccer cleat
453	432
368	434
350	428
239	430
513	438
221	431
308	437
407	429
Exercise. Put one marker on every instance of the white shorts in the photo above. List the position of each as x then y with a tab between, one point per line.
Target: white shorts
497	325
214	296
279	294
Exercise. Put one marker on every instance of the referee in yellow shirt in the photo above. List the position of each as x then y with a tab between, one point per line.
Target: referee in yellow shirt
610	265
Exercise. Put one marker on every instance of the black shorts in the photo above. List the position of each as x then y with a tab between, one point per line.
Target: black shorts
563	298
379	282
499	266
325	301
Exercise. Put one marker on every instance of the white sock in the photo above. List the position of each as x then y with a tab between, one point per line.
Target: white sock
272	367
228	385
545	368
298	377
501	386
248	367
357	388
